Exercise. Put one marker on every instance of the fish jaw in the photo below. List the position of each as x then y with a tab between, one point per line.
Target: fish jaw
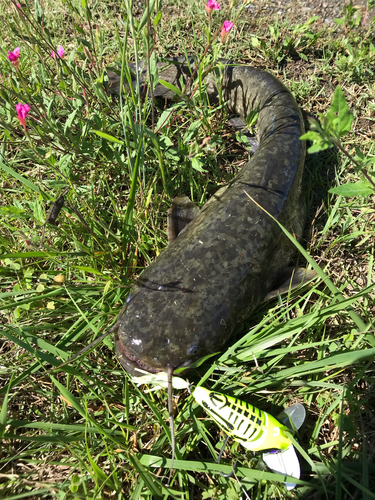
134	362
134	365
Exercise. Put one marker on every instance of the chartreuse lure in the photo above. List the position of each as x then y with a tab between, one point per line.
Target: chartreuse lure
255	429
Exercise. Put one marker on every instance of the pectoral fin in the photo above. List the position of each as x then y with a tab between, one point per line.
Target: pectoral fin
182	211
296	278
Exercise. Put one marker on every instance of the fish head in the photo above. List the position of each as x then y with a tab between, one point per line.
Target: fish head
162	329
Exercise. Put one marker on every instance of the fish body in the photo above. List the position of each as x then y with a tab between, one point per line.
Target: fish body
222	265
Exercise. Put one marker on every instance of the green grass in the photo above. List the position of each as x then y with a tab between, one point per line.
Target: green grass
85	431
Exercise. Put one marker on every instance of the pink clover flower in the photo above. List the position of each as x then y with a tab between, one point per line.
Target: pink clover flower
211	5
22	112
14	56
60	52
227	26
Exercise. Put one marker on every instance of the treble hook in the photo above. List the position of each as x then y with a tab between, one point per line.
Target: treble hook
219	458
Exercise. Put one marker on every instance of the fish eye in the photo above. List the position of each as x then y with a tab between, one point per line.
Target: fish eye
193	350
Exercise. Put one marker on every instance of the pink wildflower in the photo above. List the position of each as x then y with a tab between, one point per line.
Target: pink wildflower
211	5
227	26
18	5
14	56
22	111
60	52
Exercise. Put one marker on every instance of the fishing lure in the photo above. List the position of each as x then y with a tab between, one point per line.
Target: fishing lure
255	429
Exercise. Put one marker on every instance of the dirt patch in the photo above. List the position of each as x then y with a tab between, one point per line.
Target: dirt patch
301	10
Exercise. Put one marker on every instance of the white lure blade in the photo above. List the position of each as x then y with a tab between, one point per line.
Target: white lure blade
284	462
295	415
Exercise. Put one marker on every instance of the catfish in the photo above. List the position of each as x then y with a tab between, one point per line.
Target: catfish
221	261
224	260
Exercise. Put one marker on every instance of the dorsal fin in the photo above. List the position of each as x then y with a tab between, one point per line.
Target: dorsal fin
182	211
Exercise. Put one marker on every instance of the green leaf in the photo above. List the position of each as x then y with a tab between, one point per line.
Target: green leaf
303	27
211	467
197	164
74	483
165	142
47	426
23	180
360	188
170	86
37	211
28	273
359	156
197	363
310	136
172	154
145	16
146	476
4	409
315	148
74	402
70	120
38	12
252	117
157	18
12	211
164	118
320	140
255	42
154	70
107	136
39	253
90	270
192	131
98	471
338	119
49	109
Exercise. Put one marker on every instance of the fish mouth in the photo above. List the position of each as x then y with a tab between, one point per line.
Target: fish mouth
133	365
131	362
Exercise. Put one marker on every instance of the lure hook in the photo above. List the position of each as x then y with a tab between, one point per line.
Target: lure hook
219	458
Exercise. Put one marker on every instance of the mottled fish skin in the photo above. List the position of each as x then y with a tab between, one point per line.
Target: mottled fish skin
210	278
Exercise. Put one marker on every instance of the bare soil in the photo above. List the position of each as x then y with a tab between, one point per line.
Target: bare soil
301	10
